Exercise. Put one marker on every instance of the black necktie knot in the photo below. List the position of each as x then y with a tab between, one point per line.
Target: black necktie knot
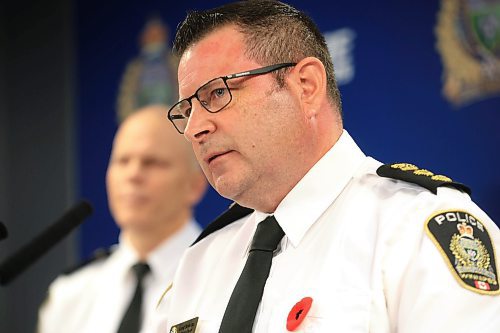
267	236
140	269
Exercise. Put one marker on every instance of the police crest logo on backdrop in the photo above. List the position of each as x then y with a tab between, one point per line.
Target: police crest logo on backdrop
151	77
468	40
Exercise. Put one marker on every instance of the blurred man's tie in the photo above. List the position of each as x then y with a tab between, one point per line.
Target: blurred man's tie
131	322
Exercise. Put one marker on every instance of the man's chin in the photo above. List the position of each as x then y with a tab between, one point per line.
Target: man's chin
133	222
229	189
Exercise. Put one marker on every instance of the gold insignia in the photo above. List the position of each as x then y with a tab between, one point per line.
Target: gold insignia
404	166
423	177
441	178
423	172
471	256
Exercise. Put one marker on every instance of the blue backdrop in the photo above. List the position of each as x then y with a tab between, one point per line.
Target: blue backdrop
392	61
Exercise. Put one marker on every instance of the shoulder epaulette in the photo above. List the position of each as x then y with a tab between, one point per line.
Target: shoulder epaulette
99	254
234	213
413	174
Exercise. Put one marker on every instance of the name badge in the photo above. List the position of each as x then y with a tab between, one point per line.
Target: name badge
188	326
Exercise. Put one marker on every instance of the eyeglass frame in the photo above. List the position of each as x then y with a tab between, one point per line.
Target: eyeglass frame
253	72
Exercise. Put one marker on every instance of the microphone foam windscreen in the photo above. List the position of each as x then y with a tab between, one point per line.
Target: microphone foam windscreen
27	255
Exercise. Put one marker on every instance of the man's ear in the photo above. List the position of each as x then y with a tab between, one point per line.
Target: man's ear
310	79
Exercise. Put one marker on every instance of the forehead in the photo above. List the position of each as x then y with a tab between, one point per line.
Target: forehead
146	137
221	52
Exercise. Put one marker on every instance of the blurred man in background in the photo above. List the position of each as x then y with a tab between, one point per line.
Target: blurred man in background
153	181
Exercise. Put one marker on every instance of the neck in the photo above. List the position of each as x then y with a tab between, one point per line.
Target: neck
324	134
146	241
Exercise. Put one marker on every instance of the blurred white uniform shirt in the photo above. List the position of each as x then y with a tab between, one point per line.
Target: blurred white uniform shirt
94	298
356	244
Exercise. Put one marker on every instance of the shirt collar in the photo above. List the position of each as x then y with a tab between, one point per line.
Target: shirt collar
165	256
318	189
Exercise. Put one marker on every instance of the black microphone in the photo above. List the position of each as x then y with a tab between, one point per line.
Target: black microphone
3	231
27	255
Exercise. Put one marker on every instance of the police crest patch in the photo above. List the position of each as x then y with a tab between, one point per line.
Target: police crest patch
466	247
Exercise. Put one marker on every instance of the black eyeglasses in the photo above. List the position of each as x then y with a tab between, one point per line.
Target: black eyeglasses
214	96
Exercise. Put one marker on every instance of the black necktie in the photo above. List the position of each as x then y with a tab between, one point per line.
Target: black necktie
246	296
131	322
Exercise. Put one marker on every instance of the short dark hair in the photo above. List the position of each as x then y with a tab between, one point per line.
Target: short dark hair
274	32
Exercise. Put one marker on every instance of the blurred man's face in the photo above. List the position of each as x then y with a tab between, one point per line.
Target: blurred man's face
149	179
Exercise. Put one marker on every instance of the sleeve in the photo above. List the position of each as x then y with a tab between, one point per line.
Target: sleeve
441	270
69	303
48	312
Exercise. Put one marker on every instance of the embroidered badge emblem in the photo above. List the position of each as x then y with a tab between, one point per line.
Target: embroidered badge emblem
189	326
298	313
465	244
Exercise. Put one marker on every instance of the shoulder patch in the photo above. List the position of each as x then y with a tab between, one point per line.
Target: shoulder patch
235	212
413	174
467	249
99	254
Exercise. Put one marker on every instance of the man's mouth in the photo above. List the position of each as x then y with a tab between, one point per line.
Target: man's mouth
216	155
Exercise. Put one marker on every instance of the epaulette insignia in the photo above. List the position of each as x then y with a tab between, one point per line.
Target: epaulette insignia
99	254
466	247
413	174
234	213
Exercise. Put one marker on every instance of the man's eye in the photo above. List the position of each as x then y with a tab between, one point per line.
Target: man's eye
219	92
120	160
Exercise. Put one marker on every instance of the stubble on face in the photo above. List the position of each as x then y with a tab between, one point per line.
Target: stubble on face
262	168
258	136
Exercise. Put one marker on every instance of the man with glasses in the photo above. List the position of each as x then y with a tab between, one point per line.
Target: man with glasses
321	238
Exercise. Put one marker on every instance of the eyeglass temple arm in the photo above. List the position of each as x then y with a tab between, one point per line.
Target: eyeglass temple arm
262	70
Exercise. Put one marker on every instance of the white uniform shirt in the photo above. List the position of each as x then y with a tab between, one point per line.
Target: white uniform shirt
356	244
94	298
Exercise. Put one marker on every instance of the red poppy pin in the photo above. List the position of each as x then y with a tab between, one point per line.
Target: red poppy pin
298	313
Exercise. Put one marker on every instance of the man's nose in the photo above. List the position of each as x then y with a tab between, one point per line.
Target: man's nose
135	170
200	123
